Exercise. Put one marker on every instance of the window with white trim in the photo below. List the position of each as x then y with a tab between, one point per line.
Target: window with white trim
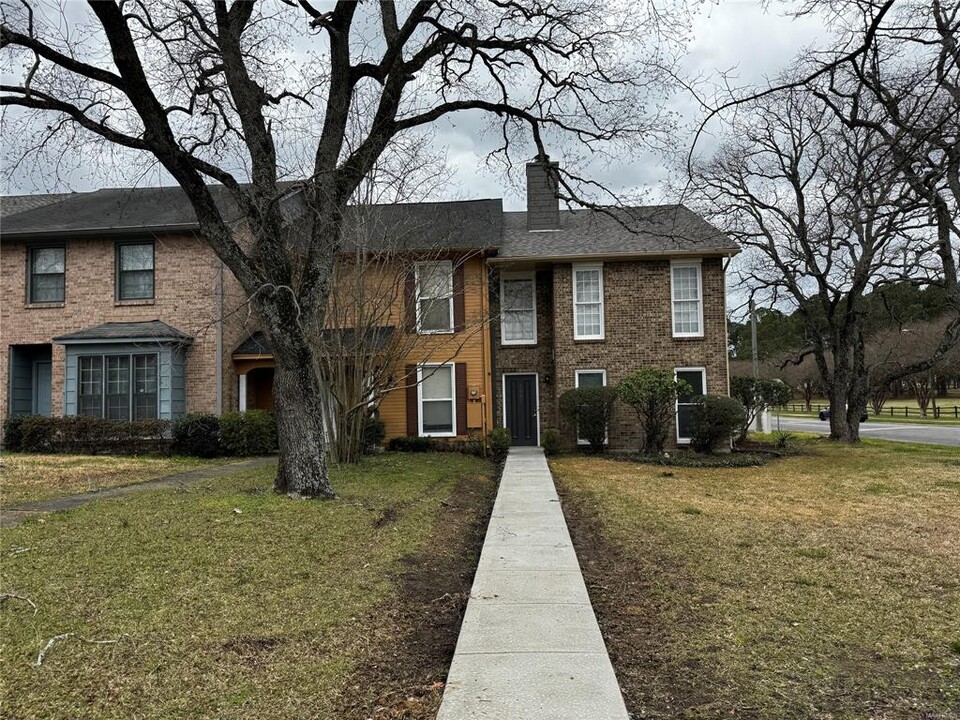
687	297
587	302
518	309
589	378
696	378
435	297
437	393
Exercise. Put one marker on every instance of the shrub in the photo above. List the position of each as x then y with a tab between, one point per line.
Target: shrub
13	433
197	434
412	443
253	432
499	441
550	440
589	410
715	419
374	431
756	396
38	434
652	394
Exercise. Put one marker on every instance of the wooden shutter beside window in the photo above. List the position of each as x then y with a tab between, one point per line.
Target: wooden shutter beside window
459	299
413	416
461	373
410	303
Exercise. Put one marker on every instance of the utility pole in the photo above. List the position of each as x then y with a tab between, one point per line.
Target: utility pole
758	425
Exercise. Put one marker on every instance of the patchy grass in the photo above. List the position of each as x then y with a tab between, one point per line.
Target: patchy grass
223	599
820	586
27	478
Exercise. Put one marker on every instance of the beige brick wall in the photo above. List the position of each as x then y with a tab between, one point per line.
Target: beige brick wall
638	333
185	282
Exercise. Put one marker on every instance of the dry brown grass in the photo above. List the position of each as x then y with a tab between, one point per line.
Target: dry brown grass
26	478
826	585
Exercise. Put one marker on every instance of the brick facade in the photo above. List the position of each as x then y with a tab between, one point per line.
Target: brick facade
185	280
638	333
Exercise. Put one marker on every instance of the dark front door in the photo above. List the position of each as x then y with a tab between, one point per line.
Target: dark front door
520	398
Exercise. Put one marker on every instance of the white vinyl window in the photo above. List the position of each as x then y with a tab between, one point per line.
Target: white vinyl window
687	296
589	378
435	297
587	302
437	392
518	309
696	378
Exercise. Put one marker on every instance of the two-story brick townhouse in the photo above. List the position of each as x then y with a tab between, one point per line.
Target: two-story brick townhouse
111	306
587	297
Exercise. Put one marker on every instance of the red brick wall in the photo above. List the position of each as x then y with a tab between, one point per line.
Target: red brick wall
185	282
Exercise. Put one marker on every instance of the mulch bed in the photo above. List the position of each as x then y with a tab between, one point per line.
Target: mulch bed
408	654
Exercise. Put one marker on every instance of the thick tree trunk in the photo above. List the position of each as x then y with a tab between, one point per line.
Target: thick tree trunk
844	413
303	465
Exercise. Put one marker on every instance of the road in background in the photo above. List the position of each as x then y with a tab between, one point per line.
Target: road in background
913	432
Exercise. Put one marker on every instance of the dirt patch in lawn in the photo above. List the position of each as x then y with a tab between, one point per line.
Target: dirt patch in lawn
623	590
407	659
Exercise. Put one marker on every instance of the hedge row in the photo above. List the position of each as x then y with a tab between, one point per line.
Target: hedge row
497	444
250	433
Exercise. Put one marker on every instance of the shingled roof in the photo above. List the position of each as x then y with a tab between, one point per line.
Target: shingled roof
13	204
148	330
648	230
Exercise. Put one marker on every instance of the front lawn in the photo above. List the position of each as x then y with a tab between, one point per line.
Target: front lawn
820	586
26	477
220	599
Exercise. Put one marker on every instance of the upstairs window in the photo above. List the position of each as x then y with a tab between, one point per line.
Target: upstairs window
135	265
47	274
696	378
518	320
685	283
587	302
435	297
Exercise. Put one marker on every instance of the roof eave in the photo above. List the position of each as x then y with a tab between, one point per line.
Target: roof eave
100	232
67	340
632	255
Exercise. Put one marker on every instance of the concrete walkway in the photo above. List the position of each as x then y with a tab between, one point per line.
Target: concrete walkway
530	647
13	516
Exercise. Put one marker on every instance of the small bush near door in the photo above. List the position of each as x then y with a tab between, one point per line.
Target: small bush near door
499	440
550	440
197	434
253	432
589	410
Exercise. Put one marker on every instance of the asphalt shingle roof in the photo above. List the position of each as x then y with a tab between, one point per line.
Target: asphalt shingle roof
13	204
648	230
153	330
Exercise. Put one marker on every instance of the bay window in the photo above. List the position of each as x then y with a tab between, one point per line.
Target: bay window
118	387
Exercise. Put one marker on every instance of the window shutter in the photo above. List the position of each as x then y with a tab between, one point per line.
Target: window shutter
459	300
461	372
413	417
410	302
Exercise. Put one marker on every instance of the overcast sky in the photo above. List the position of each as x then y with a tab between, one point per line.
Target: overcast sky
742	37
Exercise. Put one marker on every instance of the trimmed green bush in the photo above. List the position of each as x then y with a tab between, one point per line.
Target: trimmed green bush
374	431
715	419
652	394
589	410
412	443
253	432
499	441
197	434
13	433
85	435
550	440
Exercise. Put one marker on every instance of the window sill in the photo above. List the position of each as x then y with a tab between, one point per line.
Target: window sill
40	305
525	343
589	340
698	336
438	435
435	332
128	303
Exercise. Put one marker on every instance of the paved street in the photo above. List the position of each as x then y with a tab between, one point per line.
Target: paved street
902	432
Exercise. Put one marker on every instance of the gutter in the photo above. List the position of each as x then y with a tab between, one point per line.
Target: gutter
653	255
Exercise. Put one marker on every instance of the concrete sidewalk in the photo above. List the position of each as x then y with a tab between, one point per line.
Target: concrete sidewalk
530	647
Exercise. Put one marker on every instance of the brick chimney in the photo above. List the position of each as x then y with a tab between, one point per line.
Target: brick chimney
543	205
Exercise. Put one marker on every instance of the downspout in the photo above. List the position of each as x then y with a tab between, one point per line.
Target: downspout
494	385
219	320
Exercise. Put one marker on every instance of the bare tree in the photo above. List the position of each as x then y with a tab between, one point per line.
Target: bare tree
212	94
